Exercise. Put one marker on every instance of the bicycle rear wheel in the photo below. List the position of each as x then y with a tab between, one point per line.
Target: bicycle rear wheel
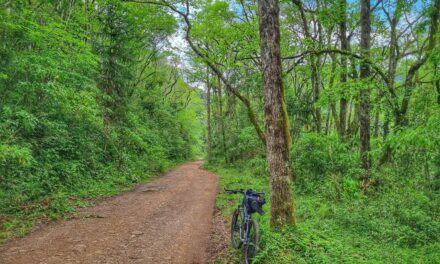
236	224
251	247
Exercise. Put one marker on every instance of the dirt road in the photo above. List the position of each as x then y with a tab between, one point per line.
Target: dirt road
165	221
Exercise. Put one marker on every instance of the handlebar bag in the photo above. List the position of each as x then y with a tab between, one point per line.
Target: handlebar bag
254	203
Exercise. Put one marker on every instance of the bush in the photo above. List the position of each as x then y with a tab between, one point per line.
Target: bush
316	158
417	150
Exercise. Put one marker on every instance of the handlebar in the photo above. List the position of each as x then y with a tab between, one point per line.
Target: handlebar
242	191
234	191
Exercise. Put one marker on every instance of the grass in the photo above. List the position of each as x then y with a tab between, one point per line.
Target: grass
396	225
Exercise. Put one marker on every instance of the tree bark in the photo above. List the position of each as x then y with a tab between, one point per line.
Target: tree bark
364	94
332	107
221	120
277	128
437	86
208	107
354	123
316	92
328	122
344	46
376	124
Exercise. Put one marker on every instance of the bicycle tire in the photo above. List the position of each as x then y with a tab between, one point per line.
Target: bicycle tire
251	247
236	222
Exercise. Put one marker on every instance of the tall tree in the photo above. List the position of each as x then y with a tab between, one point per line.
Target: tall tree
208	107
220	117
344	47
277	131
364	96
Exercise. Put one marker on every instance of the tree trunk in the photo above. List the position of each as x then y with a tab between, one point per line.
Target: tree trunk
332	108
208	107
328	121
354	123
364	95
277	129
222	123
344	46
386	126
316	92
437	86
376	124
437	83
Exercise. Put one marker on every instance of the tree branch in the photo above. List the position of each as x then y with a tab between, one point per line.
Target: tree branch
214	68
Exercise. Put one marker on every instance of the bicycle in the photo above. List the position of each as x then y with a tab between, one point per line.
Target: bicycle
245	230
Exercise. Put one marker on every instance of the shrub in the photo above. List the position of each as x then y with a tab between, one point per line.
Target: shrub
315	158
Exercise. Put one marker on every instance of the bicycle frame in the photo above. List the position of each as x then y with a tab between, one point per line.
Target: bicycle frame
244	228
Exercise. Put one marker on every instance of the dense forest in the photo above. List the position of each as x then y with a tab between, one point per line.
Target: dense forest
361	90
332	107
90	102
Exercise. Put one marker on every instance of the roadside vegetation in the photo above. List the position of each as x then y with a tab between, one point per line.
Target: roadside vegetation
89	105
337	222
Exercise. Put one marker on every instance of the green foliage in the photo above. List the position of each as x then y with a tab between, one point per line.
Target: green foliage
386	214
86	113
244	145
395	225
417	149
316	158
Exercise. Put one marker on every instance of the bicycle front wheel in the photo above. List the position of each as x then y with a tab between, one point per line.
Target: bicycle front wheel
253	241
236	224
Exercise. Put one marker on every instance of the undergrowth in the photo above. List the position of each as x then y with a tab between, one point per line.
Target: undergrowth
396	221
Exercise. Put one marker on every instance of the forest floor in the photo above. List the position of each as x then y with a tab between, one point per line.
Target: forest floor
169	220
